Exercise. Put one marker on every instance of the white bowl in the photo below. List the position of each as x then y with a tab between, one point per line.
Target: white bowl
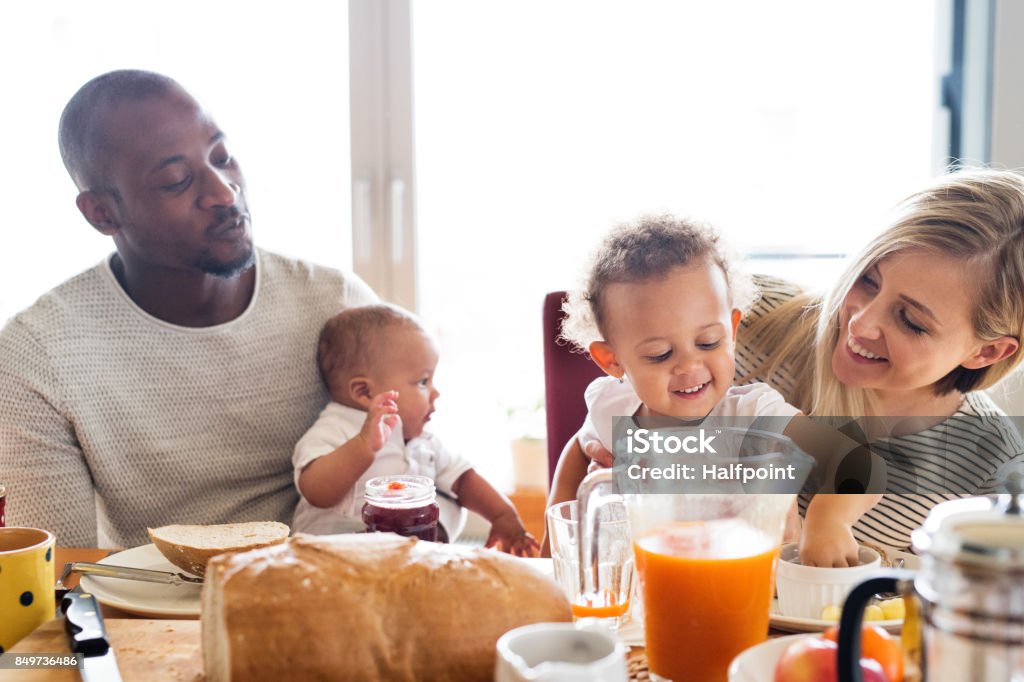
805	590
757	664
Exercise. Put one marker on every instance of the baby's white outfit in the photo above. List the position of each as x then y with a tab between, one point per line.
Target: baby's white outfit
422	456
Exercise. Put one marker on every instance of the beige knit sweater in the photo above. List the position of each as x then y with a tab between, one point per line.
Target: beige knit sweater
112	420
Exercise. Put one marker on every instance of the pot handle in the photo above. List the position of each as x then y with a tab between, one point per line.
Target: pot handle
853	615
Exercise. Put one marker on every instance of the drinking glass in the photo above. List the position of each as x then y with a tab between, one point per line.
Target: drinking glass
611	601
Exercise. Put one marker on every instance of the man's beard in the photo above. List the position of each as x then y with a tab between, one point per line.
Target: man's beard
233	268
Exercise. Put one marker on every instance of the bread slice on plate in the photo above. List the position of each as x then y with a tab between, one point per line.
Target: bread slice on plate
190	547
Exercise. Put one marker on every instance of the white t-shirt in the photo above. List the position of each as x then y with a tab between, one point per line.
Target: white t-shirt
606	398
424	455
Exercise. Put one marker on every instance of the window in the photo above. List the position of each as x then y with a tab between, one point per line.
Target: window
793	127
536	125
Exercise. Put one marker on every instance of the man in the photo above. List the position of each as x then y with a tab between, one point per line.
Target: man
169	383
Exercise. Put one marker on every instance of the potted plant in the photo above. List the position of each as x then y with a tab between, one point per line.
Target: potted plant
529	446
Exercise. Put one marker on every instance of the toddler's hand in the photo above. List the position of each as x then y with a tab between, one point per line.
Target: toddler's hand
827	542
597	452
509	535
381	418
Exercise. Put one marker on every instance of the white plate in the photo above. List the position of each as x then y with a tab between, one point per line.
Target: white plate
757	664
146	599
778	621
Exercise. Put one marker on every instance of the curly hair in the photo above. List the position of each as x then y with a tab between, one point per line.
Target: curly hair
644	250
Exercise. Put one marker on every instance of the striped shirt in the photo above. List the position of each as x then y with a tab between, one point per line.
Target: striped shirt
960	454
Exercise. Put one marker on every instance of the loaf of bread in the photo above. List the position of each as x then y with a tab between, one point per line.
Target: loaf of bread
367	607
190	547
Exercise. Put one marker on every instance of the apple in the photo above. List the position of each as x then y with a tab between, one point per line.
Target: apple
814	659
880	646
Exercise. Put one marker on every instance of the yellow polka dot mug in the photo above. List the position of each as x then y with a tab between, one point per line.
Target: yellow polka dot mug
26	582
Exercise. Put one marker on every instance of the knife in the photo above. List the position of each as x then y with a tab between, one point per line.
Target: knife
88	636
128	573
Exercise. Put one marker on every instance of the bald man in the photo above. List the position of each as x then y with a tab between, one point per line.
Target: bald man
170	382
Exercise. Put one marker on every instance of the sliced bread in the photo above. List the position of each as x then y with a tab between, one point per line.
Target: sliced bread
190	547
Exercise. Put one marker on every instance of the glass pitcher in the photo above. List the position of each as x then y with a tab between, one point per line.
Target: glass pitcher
705	542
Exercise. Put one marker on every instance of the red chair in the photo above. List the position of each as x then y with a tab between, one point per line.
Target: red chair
566	375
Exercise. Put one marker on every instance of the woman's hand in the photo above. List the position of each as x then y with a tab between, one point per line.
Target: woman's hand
827	538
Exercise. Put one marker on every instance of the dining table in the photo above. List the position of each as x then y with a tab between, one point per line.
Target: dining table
146	648
153	648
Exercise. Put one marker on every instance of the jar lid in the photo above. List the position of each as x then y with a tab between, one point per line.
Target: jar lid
400	490
976	530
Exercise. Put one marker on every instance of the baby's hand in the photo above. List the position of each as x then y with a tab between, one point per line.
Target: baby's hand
381	418
509	535
827	542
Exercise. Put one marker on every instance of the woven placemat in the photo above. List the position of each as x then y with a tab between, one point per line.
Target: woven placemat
636	665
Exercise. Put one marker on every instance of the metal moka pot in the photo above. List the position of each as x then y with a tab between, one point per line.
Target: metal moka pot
965	606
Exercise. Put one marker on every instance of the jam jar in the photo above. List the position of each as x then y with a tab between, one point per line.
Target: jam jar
402	504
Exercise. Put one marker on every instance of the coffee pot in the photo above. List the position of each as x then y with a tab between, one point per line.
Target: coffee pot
965	606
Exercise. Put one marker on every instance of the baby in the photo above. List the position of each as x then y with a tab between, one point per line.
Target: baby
378	364
659	315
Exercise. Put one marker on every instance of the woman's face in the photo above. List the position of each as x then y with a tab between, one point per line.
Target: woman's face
906	323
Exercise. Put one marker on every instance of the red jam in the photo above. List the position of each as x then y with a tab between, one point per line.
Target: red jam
3	503
402	504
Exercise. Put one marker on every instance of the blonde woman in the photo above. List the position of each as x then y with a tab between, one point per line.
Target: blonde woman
929	315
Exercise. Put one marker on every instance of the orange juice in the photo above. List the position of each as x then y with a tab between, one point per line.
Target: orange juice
605	606
707	588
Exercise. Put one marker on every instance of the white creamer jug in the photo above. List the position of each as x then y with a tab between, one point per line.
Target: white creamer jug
560	652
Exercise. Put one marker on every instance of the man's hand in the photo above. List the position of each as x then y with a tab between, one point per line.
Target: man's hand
509	535
381	418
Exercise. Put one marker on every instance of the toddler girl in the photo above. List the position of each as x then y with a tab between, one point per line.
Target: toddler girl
659	314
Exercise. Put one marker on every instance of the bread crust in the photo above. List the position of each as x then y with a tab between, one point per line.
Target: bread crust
367	607
190	557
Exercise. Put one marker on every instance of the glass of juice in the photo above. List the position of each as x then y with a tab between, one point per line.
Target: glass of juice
708	590
610	602
705	551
